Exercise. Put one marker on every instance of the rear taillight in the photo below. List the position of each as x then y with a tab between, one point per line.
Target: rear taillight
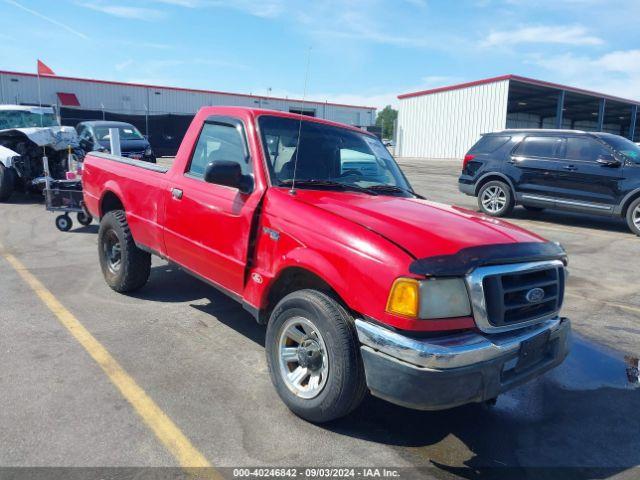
467	158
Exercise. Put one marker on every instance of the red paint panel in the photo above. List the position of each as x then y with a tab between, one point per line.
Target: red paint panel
68	99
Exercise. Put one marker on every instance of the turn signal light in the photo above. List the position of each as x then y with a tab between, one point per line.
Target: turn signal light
403	298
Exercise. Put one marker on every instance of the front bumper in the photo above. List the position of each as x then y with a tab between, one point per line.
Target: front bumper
444	372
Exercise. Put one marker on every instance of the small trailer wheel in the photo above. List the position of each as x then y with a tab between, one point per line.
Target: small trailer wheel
64	223
84	219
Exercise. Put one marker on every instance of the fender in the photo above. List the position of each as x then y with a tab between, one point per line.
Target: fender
7	156
494	174
111	187
618	209
299	257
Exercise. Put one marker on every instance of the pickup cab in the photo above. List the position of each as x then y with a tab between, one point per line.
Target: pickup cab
363	285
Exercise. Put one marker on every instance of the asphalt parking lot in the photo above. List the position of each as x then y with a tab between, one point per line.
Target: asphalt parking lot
200	359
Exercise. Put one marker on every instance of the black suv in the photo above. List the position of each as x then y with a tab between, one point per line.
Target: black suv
590	172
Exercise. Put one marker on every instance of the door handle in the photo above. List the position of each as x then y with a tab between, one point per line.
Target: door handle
176	193
571	168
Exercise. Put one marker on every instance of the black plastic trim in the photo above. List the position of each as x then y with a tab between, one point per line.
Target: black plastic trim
468	259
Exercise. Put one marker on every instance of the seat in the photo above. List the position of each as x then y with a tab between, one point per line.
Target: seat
315	162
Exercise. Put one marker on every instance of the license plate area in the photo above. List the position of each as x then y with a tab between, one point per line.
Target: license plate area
532	351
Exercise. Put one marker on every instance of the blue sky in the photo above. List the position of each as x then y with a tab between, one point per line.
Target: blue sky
362	51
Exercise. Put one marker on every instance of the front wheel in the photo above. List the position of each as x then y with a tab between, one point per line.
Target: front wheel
64	223
495	199
313	356
84	219
124	266
633	217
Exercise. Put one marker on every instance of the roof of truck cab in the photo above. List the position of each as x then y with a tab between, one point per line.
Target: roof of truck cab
258	112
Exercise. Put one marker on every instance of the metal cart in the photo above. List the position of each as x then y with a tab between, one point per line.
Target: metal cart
65	196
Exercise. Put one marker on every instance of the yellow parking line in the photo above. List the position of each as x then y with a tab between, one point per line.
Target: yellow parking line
167	432
610	304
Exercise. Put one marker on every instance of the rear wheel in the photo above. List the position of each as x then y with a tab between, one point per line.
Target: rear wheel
495	199
124	266
633	216
313	356
7	182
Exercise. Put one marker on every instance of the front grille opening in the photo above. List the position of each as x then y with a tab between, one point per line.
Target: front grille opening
507	301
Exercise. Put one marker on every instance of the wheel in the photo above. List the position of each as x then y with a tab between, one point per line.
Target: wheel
7	182
124	266
313	356
633	216
64	223
533	209
495	199
84	219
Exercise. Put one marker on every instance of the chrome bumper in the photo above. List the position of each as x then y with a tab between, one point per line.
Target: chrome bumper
452	351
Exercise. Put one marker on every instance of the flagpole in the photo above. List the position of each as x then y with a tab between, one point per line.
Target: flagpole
40	99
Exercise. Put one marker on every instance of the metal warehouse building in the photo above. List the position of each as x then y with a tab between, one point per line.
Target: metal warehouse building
162	113
445	122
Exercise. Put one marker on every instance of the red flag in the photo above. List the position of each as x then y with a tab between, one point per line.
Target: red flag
43	69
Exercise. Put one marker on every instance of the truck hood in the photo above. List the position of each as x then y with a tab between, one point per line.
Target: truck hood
421	227
58	138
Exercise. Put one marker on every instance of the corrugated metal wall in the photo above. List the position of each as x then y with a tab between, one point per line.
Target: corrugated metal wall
446	124
133	100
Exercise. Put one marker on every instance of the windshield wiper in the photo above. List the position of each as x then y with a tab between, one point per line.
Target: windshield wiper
328	184
394	188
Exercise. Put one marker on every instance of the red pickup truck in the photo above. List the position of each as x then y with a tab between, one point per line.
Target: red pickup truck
363	284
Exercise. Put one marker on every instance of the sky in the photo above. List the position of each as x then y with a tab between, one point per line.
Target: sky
363	52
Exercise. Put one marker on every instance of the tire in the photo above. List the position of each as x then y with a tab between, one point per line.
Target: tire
534	209
329	332
64	223
7	182
124	266
633	216
496	199
84	219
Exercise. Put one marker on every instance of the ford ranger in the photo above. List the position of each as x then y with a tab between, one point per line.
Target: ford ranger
364	285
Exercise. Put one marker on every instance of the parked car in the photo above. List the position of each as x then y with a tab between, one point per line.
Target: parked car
95	136
362	283
589	172
26	134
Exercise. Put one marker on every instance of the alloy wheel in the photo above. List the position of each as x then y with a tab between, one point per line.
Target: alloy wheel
303	359
494	199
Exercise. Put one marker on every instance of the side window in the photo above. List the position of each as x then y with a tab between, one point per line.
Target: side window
489	143
219	142
363	163
586	149
546	147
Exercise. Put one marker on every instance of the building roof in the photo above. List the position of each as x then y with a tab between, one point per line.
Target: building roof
518	78
181	89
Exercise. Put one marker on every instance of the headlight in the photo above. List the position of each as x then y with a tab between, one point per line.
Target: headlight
429	299
148	152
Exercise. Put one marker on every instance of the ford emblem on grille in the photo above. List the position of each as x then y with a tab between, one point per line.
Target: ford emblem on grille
535	295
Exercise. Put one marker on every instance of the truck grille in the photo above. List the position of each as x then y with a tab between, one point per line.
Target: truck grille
508	296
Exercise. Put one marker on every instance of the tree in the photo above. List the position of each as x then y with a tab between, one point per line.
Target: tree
387	120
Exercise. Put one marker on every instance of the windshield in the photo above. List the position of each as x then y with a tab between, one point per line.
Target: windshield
327	154
26	119
126	133
624	146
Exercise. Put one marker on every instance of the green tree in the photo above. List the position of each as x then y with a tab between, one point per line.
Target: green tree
387	120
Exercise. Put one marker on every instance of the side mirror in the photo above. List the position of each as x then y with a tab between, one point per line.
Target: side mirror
609	161
86	145
224	172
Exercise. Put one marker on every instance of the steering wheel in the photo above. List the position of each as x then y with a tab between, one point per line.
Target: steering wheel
351	171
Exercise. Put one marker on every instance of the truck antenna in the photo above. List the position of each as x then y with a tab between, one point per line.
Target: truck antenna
304	97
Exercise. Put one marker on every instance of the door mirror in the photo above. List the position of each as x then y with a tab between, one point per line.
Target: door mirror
609	161
224	172
86	144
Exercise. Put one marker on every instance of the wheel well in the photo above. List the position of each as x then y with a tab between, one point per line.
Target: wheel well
290	280
110	202
491	178
628	203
